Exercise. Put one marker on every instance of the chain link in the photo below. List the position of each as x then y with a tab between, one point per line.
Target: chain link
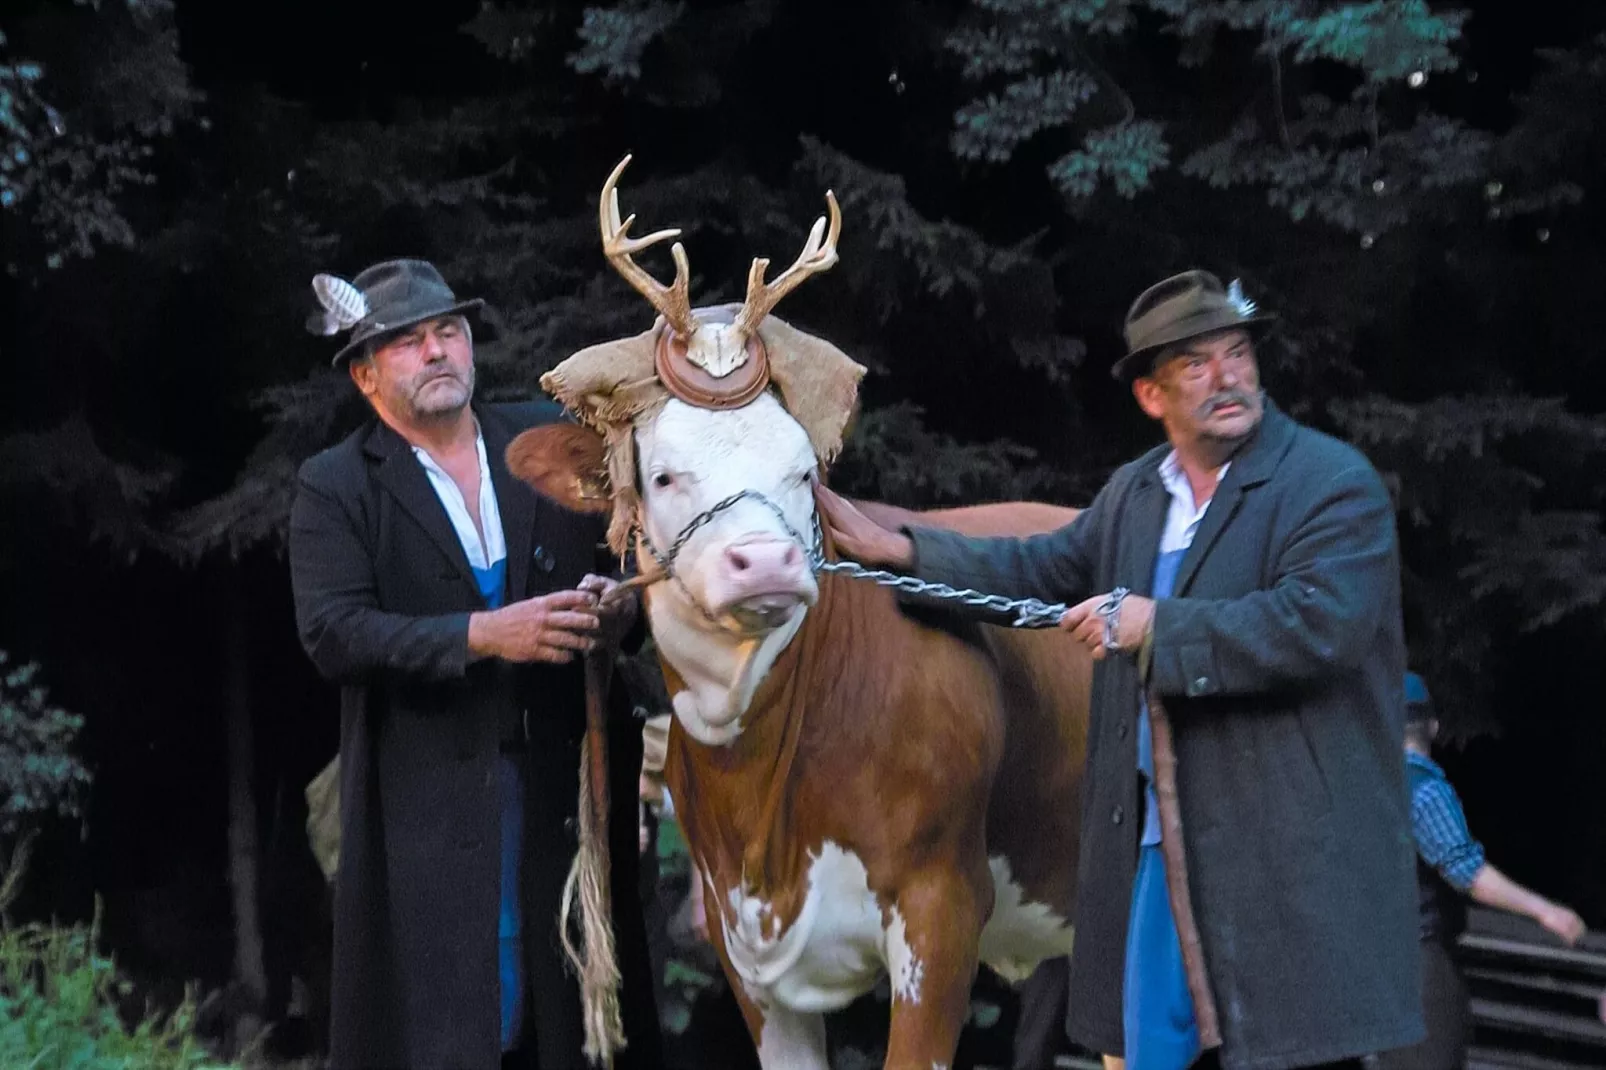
1028	612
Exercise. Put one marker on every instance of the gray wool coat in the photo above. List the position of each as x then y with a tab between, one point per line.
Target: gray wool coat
1281	659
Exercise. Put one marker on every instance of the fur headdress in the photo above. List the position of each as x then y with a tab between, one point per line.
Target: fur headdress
611	385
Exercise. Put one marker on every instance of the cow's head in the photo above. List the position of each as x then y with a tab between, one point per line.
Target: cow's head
703	438
725	504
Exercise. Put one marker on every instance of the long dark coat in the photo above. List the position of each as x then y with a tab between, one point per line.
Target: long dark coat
383	594
1281	661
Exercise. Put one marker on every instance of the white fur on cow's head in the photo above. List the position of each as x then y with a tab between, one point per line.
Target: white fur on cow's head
746	568
744	581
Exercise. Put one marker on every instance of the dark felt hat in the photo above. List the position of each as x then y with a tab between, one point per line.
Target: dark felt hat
1184	306
383	300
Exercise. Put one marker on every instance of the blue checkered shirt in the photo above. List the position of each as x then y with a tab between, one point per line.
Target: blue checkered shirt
1440	825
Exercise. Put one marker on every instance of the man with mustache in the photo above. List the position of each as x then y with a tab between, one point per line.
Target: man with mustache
453	605
1246	575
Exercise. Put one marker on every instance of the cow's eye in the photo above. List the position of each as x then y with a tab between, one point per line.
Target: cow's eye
662	480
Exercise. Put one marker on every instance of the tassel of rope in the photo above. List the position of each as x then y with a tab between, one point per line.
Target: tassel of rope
587	897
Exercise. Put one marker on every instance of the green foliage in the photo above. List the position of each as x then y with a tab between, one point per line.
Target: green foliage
612	39
1499	499
938	258
74	147
1351	161
690	969
893	457
59	1000
40	775
1127	156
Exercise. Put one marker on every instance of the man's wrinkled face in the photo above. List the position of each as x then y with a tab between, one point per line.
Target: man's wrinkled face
1206	390
422	374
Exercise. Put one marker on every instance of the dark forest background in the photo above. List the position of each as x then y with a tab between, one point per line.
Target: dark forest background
1416	189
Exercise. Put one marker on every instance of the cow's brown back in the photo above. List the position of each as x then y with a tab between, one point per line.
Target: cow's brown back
1034	812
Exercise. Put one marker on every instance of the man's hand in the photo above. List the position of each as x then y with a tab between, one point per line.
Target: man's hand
616	607
1563	922
858	537
1131	626
551	629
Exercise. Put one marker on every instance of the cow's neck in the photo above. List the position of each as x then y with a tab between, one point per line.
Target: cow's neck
751	781
718	672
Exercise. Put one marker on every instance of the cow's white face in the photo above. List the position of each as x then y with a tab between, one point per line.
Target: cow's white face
744	567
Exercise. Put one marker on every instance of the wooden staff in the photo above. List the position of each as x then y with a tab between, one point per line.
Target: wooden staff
1176	874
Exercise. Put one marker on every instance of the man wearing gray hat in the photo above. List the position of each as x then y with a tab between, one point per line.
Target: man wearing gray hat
1242	578
451	602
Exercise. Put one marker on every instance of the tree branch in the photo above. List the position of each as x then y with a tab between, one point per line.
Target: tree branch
1277	100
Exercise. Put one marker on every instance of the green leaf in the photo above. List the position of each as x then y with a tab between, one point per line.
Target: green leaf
1127	156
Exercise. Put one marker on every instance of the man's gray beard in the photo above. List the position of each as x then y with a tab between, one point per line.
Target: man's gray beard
442	410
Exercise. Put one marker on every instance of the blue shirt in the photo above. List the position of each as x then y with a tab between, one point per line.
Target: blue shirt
1440	825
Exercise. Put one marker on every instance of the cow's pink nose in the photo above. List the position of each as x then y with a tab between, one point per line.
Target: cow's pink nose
776	556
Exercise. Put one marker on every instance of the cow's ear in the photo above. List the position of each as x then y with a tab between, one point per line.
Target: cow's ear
567	463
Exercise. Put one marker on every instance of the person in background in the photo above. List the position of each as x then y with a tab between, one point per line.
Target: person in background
1451	867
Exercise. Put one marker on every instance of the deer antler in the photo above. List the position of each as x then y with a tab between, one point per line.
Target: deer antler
817	256
674	300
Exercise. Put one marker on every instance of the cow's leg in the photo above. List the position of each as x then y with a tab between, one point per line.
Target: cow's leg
931	957
786	1040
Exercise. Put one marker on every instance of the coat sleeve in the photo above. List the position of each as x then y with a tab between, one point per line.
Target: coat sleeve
1056	566
343	630
1330	589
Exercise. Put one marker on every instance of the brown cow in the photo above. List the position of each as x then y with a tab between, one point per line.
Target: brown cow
866	790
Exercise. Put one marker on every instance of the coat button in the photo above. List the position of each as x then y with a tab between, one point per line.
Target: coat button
1116	815
570	825
1201	685
1120	730
543	559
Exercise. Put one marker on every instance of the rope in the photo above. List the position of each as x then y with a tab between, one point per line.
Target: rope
587	895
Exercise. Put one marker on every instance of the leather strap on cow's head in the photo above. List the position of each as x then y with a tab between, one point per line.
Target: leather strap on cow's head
690	381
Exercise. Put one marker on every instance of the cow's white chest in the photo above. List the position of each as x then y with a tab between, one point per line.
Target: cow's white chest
840	943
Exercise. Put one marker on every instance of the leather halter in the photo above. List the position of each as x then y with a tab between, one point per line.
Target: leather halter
693	385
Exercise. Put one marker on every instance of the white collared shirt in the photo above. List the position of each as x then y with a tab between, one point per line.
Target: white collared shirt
1183	517
494	549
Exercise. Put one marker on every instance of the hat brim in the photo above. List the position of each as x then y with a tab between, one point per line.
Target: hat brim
1138	363
474	307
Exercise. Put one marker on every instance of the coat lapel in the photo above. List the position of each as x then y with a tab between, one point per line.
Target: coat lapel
1140	542
515	500
400	473
1252	466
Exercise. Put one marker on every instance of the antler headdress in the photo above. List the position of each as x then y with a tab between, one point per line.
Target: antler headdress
716	357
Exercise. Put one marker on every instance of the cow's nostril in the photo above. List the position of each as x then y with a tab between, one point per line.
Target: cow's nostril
739	561
792	555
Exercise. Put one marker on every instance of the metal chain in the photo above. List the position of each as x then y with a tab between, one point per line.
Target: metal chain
1028	612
